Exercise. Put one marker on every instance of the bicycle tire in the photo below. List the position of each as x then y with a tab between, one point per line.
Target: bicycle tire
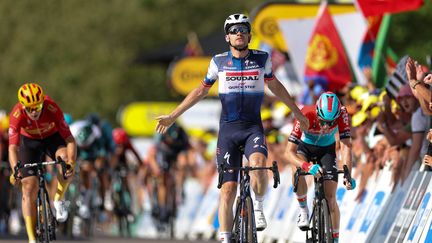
236	223
45	216
39	230
315	222
251	227
51	220
172	210
326	220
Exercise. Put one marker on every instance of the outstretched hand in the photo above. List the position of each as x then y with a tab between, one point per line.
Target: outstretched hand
164	122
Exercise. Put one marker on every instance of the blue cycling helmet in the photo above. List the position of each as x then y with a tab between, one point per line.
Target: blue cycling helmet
328	106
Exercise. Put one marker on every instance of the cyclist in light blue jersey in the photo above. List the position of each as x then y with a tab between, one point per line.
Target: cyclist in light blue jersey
242	75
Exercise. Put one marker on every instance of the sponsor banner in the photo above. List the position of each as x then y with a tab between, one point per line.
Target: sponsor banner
187	73
405	210
346	202
267	17
375	207
419	222
138	118
415	205
187	212
391	210
204	114
427	231
206	213
287	200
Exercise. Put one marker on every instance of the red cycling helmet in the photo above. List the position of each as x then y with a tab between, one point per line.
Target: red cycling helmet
120	136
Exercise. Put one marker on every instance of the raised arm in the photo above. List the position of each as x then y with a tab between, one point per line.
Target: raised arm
279	90
165	121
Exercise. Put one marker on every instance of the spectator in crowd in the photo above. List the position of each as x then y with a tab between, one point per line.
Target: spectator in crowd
420	86
420	124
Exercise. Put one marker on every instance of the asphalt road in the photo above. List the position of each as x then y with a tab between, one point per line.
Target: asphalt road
100	239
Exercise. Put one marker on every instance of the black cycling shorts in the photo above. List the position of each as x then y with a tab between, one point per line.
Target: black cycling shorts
35	150
236	139
324	156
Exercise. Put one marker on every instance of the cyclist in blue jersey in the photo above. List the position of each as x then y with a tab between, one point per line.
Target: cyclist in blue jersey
242	75
318	144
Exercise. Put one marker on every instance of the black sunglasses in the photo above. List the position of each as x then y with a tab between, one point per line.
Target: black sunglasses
236	29
328	123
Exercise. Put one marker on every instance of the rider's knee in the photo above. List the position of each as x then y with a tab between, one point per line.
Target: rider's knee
332	203
228	191
29	191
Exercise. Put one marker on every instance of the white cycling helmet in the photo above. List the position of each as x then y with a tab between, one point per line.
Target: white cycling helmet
234	19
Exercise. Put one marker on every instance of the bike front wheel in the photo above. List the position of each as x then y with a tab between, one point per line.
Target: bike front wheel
244	229
42	230
325	225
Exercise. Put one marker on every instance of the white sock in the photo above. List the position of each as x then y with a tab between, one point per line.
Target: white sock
259	198
225	237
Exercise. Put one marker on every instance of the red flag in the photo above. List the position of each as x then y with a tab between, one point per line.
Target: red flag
193	46
380	7
326	60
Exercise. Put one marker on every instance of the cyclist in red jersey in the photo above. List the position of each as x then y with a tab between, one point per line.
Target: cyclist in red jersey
37	129
327	119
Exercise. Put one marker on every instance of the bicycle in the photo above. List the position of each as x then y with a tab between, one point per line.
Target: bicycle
165	221
45	221
6	194
244	228
320	226
122	201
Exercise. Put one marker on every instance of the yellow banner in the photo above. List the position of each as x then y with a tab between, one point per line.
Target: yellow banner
188	73
266	19
138	118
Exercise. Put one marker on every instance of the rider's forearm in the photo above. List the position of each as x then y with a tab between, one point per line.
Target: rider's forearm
13	155
279	90
71	149
191	99
291	155
346	152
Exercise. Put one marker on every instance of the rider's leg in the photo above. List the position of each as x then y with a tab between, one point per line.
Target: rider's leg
303	217
259	177
62	185
259	181
225	213
182	167
29	195
330	187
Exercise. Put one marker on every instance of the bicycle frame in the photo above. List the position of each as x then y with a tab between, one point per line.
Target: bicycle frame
321	225
244	227
45	222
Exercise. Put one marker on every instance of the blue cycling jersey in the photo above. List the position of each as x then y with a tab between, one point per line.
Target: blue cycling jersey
241	84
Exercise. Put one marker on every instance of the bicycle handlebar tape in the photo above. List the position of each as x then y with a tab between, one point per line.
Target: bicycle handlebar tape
347	173
63	165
